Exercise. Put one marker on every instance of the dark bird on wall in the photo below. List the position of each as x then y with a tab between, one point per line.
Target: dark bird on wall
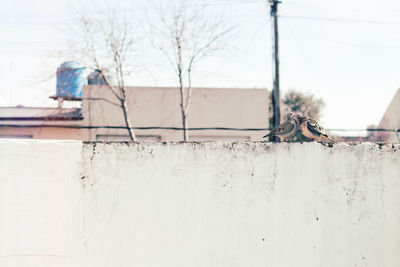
286	129
312	130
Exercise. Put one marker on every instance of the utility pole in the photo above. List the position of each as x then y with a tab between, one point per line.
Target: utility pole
276	119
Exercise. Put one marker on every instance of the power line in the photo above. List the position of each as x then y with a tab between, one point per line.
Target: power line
179	128
343	20
133	128
366	130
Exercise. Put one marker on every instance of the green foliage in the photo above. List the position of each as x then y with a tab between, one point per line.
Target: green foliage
298	102
306	104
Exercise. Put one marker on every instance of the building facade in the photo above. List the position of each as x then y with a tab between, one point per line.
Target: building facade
101	118
390	120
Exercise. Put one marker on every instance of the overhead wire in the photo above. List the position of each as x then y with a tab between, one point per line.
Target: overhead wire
342	20
180	128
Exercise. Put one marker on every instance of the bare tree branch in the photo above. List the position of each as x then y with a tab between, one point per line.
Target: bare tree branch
107	44
185	34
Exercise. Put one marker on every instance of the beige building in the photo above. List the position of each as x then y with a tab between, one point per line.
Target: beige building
99	117
390	120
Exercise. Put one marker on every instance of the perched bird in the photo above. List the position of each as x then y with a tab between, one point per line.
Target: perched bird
286	129
312	130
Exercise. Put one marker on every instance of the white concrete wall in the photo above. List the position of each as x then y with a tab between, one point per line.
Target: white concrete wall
212	204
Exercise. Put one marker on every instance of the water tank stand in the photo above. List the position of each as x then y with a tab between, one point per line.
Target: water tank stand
66	98
62	99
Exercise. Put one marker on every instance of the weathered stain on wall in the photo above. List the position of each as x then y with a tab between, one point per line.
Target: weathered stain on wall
199	204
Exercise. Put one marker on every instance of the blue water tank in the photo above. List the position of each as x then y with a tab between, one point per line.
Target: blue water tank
70	79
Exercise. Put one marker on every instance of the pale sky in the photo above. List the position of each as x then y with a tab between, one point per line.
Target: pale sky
344	51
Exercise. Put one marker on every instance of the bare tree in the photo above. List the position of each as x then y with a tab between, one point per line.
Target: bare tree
105	44
186	32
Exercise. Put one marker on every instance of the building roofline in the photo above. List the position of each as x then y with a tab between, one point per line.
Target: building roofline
49	118
392	103
173	87
49	108
40	114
